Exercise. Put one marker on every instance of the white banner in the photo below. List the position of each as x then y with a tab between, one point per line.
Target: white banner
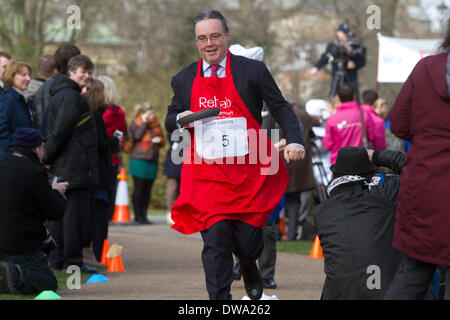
397	57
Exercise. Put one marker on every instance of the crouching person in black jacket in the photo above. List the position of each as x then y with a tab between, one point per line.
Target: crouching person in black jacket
356	225
27	200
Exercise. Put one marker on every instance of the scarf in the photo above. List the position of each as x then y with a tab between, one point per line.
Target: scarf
368	183
153	130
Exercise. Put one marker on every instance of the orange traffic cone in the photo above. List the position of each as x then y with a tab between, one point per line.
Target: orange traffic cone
316	251
105	250
122	210
115	262
116	265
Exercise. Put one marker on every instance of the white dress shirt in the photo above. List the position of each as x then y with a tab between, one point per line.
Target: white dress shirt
220	71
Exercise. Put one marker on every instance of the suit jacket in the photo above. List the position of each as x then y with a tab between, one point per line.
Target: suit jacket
254	84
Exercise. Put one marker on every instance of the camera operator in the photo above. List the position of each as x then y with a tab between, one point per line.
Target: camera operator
346	57
27	201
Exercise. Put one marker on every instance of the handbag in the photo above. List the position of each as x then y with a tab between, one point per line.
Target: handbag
365	142
128	145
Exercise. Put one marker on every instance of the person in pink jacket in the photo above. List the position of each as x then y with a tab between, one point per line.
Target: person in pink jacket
368	104
343	128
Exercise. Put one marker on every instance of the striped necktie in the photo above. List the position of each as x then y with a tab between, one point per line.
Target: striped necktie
214	68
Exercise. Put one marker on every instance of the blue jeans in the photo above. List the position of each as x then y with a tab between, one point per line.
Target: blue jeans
35	274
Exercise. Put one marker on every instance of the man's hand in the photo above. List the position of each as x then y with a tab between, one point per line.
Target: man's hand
61	187
184	114
294	152
280	145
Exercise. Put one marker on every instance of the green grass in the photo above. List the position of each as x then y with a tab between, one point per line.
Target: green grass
61	276
298	247
156	212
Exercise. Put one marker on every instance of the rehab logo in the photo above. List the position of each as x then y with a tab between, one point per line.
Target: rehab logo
206	103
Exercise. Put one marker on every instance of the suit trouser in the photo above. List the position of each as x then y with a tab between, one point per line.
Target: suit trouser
268	257
220	241
72	232
413	279
292	209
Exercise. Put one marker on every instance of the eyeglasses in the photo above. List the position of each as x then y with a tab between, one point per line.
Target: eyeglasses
204	39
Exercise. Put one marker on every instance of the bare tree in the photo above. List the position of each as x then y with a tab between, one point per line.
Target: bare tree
22	26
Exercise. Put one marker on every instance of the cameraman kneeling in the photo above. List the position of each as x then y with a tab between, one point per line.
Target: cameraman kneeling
27	200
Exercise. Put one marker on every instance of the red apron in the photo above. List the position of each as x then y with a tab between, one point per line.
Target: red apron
222	175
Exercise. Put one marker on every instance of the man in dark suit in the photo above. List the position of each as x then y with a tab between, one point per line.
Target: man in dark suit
229	220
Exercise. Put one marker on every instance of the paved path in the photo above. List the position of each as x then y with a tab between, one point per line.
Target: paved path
162	264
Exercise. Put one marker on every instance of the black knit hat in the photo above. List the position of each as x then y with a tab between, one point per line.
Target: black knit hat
345	28
27	138
353	161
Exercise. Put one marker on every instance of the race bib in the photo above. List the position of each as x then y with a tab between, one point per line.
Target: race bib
221	138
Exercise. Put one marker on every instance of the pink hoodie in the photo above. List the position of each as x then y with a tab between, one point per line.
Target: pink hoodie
344	128
379	130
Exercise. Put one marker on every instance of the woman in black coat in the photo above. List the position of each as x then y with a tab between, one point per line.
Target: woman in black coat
100	198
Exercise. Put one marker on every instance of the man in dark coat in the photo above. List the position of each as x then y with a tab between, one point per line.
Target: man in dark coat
27	201
251	85
355	225
42	95
71	151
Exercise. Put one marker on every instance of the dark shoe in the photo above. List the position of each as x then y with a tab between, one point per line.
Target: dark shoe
253	284
141	215
145	221
9	277
86	269
269	283
55	267
137	214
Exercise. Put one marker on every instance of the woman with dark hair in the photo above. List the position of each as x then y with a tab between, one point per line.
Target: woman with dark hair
100	198
421	114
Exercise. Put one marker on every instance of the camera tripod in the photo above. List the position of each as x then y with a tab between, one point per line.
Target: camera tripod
339	78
